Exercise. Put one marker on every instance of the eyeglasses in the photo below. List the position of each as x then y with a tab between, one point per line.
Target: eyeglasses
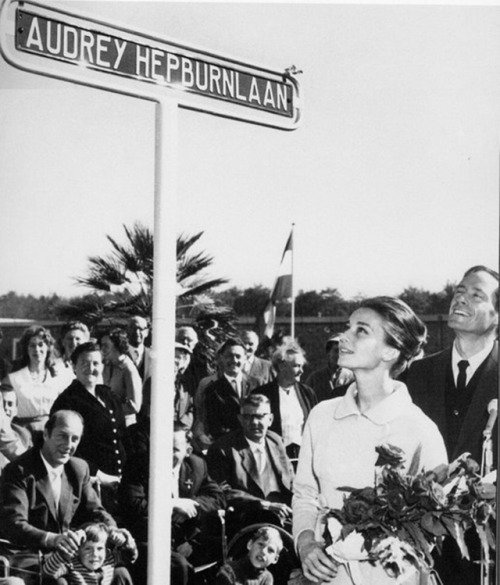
255	416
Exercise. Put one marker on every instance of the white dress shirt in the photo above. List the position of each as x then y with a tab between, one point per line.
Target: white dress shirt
55	479
474	362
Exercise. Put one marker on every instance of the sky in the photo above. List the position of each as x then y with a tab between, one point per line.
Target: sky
391	179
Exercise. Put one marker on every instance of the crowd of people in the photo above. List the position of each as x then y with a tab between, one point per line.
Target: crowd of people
253	443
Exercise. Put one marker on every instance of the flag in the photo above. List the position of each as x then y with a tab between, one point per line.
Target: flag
282	291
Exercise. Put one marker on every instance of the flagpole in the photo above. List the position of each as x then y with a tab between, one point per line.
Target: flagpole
292	308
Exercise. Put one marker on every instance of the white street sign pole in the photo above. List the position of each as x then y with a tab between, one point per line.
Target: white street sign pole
265	97
162	391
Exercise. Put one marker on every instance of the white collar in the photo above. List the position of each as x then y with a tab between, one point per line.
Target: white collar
474	361
386	410
256	446
238	378
51	470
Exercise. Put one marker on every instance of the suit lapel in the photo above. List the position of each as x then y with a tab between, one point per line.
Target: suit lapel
486	389
186	480
66	501
45	489
278	462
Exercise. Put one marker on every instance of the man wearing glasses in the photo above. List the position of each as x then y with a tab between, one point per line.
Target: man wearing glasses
253	468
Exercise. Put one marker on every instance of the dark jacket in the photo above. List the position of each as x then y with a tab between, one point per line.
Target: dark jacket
429	380
28	511
104	435
307	399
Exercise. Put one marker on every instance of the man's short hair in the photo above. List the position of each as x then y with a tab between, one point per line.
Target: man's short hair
231	342
4	388
58	416
86	347
491	272
254	400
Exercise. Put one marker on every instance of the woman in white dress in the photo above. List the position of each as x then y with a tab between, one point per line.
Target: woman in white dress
37	381
338	447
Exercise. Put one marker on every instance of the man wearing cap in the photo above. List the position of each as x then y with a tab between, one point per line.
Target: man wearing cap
184	400
330	381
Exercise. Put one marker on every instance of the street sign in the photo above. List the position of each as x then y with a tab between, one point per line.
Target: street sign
86	50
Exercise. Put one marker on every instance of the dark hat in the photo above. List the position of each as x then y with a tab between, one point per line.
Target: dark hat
331	341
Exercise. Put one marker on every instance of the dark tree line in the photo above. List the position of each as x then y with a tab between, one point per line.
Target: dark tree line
244	302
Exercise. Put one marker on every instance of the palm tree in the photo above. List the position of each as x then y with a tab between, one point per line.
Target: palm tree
122	281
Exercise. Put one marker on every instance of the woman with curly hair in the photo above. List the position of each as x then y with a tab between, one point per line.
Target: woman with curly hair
36	381
338	447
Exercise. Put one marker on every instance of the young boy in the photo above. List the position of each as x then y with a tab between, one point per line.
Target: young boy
94	563
264	549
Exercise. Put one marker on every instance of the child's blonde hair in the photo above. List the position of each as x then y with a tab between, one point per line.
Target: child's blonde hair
95	531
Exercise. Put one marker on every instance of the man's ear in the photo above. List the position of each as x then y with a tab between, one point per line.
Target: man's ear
271	418
189	450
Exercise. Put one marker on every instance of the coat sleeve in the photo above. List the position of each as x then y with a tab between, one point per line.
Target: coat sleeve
90	508
210	496
15	509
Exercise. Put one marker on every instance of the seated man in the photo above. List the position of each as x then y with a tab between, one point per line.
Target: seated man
196	535
18	439
45	494
252	466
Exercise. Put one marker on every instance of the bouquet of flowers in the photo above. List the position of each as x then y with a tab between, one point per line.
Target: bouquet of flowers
399	520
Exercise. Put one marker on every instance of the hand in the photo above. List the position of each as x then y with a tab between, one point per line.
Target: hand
317	566
120	536
184	508
185	549
105	479
282	510
67	543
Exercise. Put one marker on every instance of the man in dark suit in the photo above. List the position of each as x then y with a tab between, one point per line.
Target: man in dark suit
46	493
255	367
291	401
456	387
224	395
252	466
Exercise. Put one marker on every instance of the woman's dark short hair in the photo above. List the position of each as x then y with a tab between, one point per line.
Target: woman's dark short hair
403	329
119	338
86	347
